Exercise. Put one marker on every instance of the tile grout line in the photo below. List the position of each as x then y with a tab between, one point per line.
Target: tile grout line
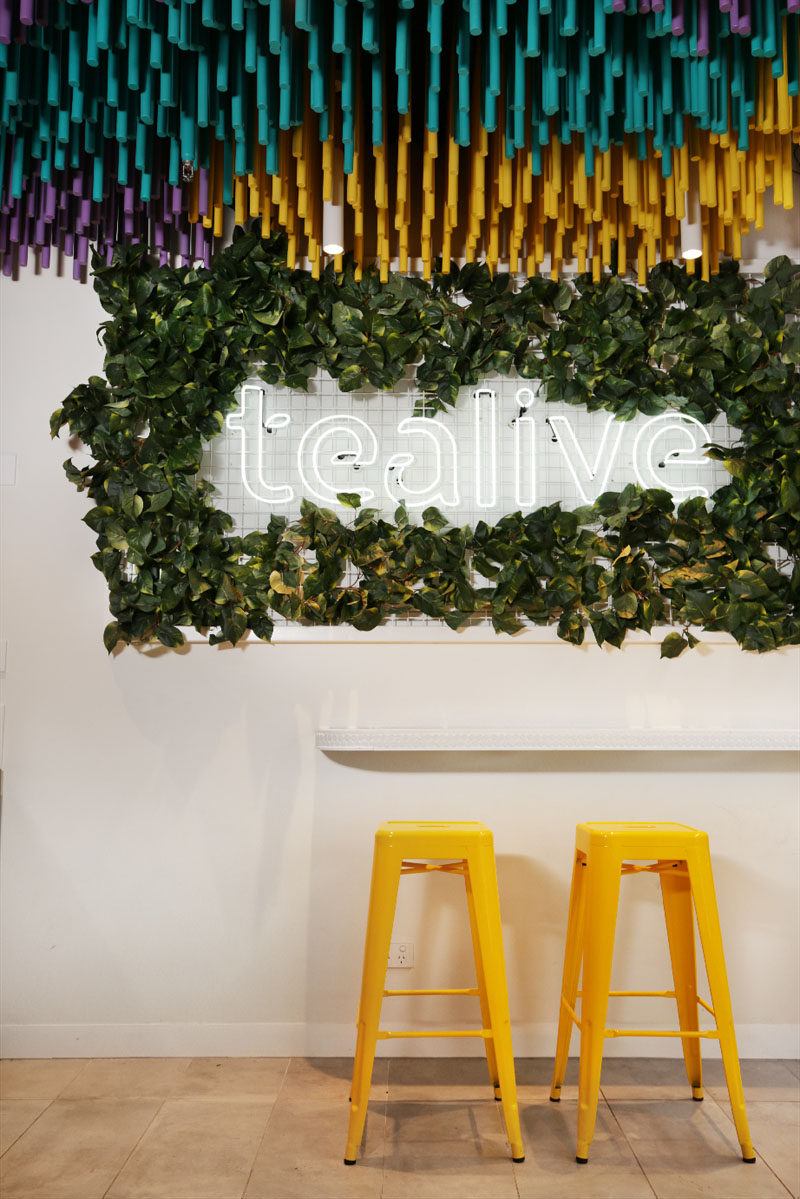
630	1146
26	1130
725	1109
144	1131
46	1108
385	1123
136	1145
266	1128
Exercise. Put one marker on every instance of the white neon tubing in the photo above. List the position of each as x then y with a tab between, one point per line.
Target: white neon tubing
590	472
433	493
527	424
333	425
485	498
670	422
250	416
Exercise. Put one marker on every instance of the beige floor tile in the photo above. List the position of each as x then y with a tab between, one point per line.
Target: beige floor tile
443	1148
425	1078
302	1153
329	1079
550	1171
127	1078
535	1077
37	1078
473	1127
195	1149
219	1077
762	1080
441	1176
793	1065
644	1078
775	1129
75	1149
690	1149
15	1116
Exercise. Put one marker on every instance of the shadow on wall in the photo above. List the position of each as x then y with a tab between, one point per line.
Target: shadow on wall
583	762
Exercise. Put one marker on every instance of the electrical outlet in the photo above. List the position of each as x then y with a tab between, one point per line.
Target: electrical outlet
401	955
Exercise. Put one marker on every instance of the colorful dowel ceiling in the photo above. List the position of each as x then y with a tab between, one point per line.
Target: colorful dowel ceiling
528	132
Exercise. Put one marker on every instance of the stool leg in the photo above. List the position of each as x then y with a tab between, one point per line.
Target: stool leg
491	1056
573	952
705	902
489	935
602	900
676	894
380	920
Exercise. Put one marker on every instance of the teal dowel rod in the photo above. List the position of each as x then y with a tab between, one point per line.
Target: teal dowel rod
275	32
376	77
597	44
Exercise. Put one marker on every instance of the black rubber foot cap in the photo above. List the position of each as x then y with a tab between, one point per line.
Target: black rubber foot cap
751	1161
697	1098
518	1159
498	1098
556	1100
348	1162
581	1160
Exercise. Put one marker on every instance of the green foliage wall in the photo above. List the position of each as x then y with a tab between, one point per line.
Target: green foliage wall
179	342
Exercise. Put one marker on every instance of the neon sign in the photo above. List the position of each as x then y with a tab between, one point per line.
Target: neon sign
503	448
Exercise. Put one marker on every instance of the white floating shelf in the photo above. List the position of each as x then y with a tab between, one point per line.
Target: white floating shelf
365	740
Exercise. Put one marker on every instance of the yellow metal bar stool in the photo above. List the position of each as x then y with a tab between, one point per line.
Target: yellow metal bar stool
455	847
680	856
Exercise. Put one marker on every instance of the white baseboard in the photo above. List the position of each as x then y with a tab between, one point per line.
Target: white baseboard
337	1040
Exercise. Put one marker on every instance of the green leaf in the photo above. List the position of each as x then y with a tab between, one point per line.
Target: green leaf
350	499
351	378
112	635
625	604
563	297
673	645
433	519
169	635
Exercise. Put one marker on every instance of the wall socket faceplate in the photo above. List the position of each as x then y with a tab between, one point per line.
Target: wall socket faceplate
401	955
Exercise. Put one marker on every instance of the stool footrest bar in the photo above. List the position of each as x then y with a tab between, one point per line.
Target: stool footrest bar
435	991
485	1033
710	1034
571	1011
652	994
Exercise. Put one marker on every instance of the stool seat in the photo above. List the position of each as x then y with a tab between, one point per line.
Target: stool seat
679	854
462	847
634	838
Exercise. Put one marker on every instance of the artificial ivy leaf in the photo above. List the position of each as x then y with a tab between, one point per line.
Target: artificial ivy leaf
673	645
790	495
261	625
626	604
159	500
169	635
350	499
506	622
112	635
351	378
455	619
563	297
277	584
432	519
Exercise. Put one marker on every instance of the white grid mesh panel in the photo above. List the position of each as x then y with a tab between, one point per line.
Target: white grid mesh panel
502	449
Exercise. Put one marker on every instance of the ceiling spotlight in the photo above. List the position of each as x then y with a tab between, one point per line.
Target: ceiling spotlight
691	224
332	227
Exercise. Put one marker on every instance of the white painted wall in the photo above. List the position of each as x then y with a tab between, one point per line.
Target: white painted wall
182	872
